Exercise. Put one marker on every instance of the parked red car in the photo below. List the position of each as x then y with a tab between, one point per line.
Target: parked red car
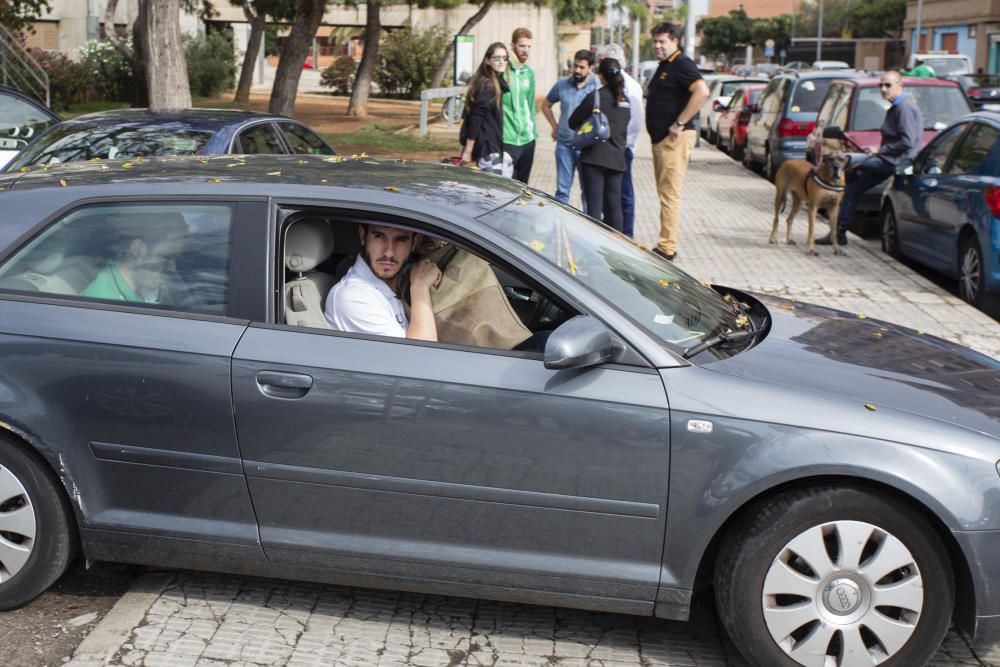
735	118
857	107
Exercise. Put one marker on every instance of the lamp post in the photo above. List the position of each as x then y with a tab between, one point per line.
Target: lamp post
819	33
915	42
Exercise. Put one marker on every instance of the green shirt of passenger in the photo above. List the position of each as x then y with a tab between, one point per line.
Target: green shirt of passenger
110	284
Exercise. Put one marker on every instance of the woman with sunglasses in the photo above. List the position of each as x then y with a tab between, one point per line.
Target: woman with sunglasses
482	122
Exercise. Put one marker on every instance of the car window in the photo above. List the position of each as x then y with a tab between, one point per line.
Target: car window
172	256
808	95
772	103
75	143
869	110
936	155
20	122
940	105
943	66
476	302
825	113
672	306
260	139
976	146
303	140
730	87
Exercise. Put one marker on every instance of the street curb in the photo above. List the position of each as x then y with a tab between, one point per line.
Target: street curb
114	629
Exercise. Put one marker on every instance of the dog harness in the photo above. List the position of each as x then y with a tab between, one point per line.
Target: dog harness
814	175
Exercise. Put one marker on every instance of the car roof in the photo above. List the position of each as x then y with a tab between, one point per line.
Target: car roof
908	81
822	74
410	185
211	120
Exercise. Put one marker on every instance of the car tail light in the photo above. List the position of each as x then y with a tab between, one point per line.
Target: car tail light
993	200
789	128
974	92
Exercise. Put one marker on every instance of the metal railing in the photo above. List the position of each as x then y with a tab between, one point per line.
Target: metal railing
434	93
19	70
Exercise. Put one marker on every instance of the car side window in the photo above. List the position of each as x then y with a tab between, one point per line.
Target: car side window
975	148
304	141
172	256
260	139
476	302
936	155
826	110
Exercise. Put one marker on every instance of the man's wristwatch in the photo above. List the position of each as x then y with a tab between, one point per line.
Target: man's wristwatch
679	124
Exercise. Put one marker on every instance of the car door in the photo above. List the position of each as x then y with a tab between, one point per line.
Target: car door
761	122
116	316
429	462
916	219
303	141
950	203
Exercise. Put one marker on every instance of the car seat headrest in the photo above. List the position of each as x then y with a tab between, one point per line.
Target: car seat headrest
307	244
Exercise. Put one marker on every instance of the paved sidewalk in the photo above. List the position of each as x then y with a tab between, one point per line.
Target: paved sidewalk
202	620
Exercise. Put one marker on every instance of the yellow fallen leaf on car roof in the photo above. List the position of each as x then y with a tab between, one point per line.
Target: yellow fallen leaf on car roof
877	334
862	316
274	173
869	406
391	188
215	180
127	165
665	282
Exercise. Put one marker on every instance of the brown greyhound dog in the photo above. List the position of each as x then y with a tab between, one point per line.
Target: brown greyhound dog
819	187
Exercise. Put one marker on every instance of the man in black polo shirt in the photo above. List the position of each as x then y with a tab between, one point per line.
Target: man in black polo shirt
676	93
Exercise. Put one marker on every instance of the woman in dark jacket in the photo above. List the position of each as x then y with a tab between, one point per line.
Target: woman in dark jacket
482	131
602	165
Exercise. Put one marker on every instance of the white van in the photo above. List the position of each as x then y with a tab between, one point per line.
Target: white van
942	62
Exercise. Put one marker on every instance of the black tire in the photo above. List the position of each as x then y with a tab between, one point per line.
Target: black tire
890	233
751	552
769	169
972	278
748	158
713	138
25	481
734	150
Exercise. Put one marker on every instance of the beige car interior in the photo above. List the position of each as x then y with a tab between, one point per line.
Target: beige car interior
308	243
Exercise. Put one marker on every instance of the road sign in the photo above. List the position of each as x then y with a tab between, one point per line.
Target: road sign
465	58
769	51
769	44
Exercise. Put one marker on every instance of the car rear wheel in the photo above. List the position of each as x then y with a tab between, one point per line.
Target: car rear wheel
890	233
735	150
36	533
835	576
972	278
769	170
748	157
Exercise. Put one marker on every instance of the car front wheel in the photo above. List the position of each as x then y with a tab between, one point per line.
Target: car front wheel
835	576
890	233
36	533
972	279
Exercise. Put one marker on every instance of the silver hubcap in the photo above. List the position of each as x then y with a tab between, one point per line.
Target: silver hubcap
970	275
17	525
842	594
889	232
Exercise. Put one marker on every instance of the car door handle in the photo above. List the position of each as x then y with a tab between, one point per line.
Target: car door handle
931	182
518	293
279	384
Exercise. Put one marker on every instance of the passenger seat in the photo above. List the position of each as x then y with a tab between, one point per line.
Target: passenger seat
307	245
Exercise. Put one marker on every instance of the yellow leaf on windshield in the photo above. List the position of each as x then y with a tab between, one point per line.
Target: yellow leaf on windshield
537	246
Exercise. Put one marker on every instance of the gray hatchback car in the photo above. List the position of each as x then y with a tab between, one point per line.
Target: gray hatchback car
171	395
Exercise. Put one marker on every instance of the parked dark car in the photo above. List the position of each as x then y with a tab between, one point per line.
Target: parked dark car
943	210
734	120
22	120
856	106
835	478
982	89
130	133
719	92
784	116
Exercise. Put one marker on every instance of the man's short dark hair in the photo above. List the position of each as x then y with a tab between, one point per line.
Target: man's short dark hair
584	54
666	28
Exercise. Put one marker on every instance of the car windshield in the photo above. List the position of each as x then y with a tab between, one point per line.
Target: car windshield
939	105
672	306
982	80
942	66
809	95
76	143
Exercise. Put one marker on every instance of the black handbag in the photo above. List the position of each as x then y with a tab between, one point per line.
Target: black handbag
594	129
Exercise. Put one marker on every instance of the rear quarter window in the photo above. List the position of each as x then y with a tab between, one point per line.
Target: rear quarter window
940	105
808	95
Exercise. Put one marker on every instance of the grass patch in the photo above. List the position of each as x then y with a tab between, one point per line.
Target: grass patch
93	106
381	139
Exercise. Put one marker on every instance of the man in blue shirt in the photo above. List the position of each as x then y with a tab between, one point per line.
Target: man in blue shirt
902	136
568	93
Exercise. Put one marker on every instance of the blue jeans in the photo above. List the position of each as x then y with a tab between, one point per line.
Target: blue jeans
872	171
567	161
628	196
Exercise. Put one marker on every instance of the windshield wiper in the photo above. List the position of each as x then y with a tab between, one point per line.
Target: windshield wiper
721	339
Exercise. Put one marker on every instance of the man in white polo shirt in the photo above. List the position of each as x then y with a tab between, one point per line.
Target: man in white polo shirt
365	300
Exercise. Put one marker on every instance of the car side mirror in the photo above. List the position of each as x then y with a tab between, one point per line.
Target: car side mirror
904	168
580	342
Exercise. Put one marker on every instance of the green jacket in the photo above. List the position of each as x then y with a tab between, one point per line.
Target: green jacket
519	107
922	71
111	285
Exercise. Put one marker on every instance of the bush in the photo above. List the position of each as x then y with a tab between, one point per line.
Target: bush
340	75
407	60
211	63
111	74
69	81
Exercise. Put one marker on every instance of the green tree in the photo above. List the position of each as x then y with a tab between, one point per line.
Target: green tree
257	13
725	35
407	59
778	28
877	18
17	15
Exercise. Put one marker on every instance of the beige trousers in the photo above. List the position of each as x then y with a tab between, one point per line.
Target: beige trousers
670	162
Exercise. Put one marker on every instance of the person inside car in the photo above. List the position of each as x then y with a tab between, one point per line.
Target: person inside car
144	258
365	300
